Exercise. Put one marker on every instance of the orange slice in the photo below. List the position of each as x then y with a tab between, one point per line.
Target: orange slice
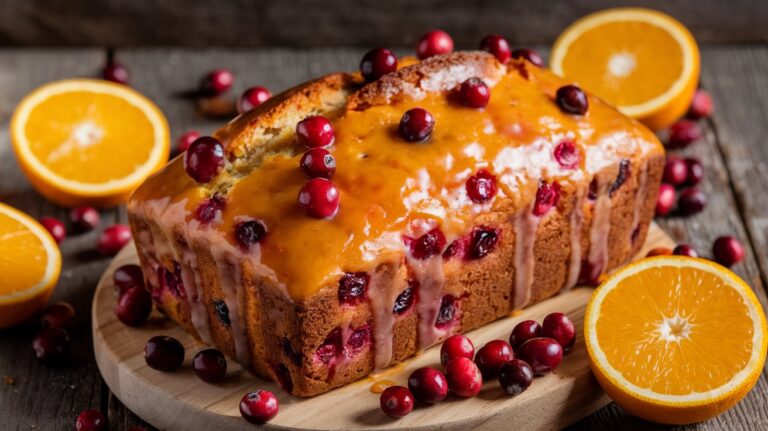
674	339
644	62
88	142
30	263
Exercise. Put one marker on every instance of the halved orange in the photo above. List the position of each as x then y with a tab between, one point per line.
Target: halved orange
642	61
674	339
88	142
30	263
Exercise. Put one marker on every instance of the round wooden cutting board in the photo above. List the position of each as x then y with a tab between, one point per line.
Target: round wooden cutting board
178	400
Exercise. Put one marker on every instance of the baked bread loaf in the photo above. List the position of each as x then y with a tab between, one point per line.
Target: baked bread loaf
498	208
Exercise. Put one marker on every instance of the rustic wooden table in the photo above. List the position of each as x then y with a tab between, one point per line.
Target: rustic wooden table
33	396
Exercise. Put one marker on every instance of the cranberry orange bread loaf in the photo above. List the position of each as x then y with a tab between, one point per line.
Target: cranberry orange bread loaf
445	210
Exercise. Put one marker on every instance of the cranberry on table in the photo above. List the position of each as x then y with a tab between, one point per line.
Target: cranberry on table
216	82
559	327
542	354
675	172
396	401
523	332
456	346
51	346
701	105
315	131
204	159
116	72
84	219
685	250
91	420
532	56
464	378
318	162
659	251
727	251
113	239
665	200
515	376
319	198
252	98
377	63
492	356
474	93
186	140
259	407
684	133
55	228
572	100
428	385
210	365
134	306
695	171
416	125
567	154
428	245
59	315
128	276
435	42
691	201
496	45
164	353
249	233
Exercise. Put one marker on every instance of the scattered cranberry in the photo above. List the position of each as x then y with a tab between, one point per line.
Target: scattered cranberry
481	187
113	239
377	63
492	356
134	306
695	171
315	131
57	316
210	208
665	199
55	228
164	353
515	376
318	162
523	332
428	245
691	201
185	140
204	159
559	327
51	346
701	105
675	172
685	250
259	407
542	354
683	133
84	219
547	196
210	365
416	125
464	378
496	45
435	42
396	401
352	287
216	82
447	311
116	72
572	100
474	93
456	346
404	301
319	198
567	154
128	276
249	233
481	242
659	251
428	385
91	420
252	98
533	56
727	251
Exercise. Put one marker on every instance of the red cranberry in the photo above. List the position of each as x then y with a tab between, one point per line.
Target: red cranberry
318	162
481	242
84	219
691	201
559	327
51	346
515	376
216	82
416	125
675	172
396	401
319	198
435	42
185	140
464	378
496	45
428	385
352	287
621	177
542	354
685	250
55	228
547	196
377	63
572	100
164	353
204	159
428	245
701	105
481	187
259	407
456	346
57	316
727	251
116	72
695	171
134	306
404	301
222	312
172	280
533	56
330	347
665	200
474	93
128	276
210	208
492	356
659	251
315	131
113	239
593	189
358	341
447	311
523	332
210	365
252	98
567	155
249	233
683	133
91	420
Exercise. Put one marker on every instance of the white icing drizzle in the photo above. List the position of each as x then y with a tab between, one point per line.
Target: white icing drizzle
640	195
429	274
382	296
526	224
577	218
191	279
598	235
230	277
